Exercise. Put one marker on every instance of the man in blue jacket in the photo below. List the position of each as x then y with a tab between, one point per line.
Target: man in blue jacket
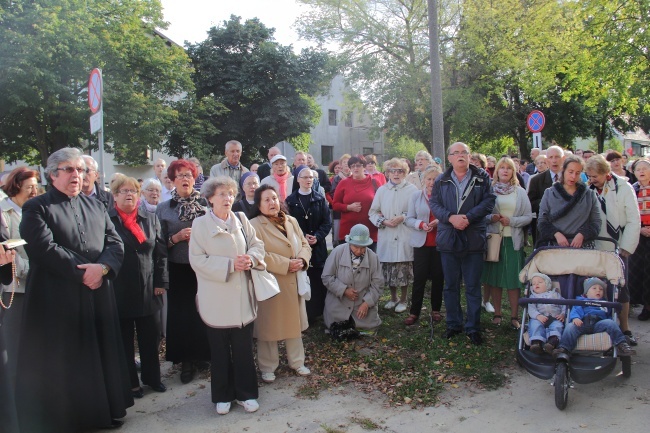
462	196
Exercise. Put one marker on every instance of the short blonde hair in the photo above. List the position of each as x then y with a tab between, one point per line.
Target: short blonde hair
121	180
510	163
599	164
435	169
396	163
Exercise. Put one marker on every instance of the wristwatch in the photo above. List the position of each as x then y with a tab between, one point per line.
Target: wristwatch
104	269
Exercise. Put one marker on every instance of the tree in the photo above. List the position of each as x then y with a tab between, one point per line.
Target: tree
48	50
268	90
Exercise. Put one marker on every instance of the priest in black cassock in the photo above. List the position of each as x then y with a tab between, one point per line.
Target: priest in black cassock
72	372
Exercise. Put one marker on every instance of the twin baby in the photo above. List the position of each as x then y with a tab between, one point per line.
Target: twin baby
547	320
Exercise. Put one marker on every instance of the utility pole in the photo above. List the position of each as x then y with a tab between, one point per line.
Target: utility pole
437	125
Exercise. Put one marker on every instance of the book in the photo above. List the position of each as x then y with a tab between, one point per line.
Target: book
13	243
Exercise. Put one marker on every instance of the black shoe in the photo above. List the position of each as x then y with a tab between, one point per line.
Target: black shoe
450	333
645	315
137	393
115	423
475	338
560	351
624	349
630	338
536	347
158	388
187	372
551	344
202	365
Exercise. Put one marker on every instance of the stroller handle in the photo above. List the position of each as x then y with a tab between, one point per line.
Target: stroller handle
571	302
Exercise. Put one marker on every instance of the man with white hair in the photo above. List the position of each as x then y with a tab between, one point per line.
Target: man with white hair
91	187
264	170
541	181
231	166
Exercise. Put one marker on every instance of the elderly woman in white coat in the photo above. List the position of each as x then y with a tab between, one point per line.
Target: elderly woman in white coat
427	263
512	212
352	275
223	249
388	212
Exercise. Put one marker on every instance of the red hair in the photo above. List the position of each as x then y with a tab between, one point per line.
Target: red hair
178	165
15	180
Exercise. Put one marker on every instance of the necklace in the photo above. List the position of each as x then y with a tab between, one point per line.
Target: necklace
303	208
13	290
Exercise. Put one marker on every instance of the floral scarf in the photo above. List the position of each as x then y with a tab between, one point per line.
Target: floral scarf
189	208
501	188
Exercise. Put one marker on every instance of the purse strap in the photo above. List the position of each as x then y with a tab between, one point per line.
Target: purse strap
242	228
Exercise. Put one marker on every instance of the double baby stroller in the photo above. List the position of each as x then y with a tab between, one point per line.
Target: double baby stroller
595	356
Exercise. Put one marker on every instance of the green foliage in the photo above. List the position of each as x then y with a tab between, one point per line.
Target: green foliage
267	90
48	50
404	147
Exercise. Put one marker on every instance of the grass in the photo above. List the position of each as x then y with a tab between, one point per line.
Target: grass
365	423
405	363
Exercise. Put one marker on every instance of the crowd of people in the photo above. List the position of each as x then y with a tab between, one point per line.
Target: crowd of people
183	256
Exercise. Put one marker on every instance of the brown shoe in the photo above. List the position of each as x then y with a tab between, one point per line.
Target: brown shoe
536	347
410	320
551	344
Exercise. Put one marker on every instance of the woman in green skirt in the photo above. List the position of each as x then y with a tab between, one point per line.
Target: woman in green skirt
511	214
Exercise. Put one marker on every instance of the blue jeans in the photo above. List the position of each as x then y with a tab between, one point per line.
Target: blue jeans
539	332
467	268
572	333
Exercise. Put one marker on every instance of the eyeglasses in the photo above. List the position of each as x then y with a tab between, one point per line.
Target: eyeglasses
306	177
356	166
459	152
128	191
397	170
88	170
185	176
70	170
225	195
151	191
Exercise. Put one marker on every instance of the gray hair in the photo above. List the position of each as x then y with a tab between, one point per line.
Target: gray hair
211	185
90	162
424	154
152	181
233	143
458	142
62	155
557	149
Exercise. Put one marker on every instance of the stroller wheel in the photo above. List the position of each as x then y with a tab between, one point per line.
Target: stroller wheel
561	385
626	363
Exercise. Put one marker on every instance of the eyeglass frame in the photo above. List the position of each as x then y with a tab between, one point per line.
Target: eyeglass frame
70	169
184	176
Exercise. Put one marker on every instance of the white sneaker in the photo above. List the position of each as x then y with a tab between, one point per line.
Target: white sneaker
400	308
223	408
390	305
303	371
268	377
249	405
488	307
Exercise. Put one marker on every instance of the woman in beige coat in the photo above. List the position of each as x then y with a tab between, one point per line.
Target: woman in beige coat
284	316
223	248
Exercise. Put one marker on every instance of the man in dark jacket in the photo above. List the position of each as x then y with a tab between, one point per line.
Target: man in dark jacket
72	373
91	187
461	199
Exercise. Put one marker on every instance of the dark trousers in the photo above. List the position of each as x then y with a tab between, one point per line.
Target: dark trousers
316	304
427	265
148	332
232	366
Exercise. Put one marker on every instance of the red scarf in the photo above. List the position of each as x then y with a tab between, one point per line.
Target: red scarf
131	224
282	185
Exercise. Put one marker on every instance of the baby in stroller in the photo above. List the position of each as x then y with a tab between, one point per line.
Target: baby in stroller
546	320
592	319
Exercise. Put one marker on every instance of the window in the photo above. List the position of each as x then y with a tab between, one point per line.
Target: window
332	117
368	150
327	154
348	119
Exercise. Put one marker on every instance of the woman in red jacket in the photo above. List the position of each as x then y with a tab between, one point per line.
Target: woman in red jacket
353	197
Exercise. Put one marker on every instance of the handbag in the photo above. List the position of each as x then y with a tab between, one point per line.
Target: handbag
493	246
304	285
265	284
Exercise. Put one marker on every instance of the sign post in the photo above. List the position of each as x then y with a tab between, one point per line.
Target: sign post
95	96
535	123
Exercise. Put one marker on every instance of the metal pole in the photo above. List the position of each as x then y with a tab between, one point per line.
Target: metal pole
437	125
100	136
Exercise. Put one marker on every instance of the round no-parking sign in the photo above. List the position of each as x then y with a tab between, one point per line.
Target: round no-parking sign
535	121
95	90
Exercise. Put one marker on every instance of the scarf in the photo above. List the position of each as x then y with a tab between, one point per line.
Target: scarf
571	200
130	221
501	188
149	207
282	185
279	221
189	208
607	199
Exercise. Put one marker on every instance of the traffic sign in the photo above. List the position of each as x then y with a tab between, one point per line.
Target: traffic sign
96	121
95	90
535	121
